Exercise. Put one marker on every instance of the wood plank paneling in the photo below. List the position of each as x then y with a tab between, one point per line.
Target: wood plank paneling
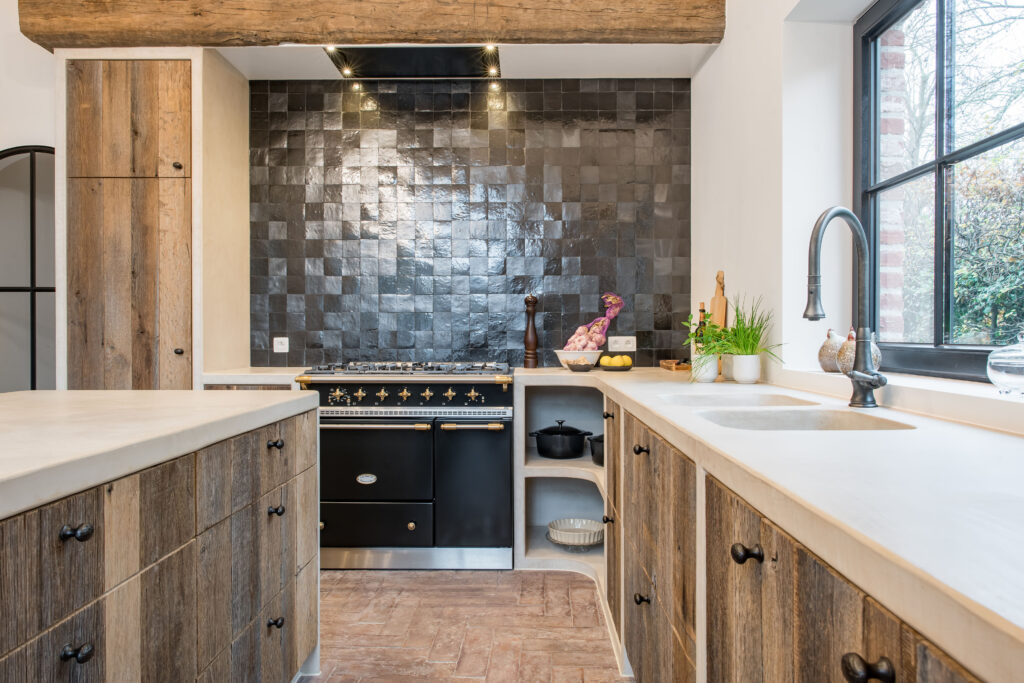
272	640
276	545
122	628
174	294
733	591
777	603
72	570
214	592
85	283
613	562
275	463
612	455
121	537
20	580
677	544
935	666
168	507
68	23
84	628
168	618
245	566
300	438
143	275
306	507
828	619
245	654
305	614
129	118
227	478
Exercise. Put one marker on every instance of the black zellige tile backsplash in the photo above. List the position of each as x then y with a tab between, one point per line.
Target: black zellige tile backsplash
407	220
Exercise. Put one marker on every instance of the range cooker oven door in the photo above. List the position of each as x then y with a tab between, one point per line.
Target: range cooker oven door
379	459
376	482
473	483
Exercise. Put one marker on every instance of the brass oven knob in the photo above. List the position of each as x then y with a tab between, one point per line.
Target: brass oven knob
335	396
426	394
450	394
411	526
404	393
472	394
360	395
382	394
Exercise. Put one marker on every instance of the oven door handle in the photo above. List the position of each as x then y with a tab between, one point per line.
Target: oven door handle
490	426
418	426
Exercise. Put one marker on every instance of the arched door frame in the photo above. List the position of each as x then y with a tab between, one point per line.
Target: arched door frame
31	289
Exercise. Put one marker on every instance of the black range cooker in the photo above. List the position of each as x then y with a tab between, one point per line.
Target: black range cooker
415	465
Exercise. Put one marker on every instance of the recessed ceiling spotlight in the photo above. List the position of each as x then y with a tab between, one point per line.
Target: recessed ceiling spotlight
346	71
493	71
490	47
330	48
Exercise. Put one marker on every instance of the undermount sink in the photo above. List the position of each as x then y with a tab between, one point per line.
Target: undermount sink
805	420
738	400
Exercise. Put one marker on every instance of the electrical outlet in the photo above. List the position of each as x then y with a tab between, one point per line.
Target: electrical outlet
622	343
280	344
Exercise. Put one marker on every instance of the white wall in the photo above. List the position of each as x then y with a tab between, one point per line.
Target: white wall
26	85
772	148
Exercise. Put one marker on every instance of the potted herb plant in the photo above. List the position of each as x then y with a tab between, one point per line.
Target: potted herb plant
707	341
747	339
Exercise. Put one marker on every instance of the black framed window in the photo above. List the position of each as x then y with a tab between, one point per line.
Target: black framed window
939	177
27	291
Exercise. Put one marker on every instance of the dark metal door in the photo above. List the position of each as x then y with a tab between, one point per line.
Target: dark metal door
473	487
376	460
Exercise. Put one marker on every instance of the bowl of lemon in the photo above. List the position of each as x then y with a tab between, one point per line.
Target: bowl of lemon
616	363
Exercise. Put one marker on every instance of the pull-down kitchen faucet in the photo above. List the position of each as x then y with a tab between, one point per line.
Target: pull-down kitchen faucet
864	376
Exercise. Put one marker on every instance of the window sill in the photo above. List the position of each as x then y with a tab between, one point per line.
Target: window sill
972	403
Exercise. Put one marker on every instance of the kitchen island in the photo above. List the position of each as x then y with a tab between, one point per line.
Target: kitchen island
923	519
158	535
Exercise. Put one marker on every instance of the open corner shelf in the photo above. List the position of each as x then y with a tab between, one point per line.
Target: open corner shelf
575	468
550	556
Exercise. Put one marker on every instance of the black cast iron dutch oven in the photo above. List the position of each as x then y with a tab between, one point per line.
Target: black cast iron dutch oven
560	442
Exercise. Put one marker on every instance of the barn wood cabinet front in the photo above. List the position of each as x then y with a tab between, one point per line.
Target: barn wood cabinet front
200	568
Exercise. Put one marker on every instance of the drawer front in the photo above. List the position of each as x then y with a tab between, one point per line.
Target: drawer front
70	557
40	658
364	525
275	514
387	460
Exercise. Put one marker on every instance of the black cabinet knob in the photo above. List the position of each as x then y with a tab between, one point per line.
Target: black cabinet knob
856	670
80	654
275	623
177	165
607	520
638	449
607	416
179	352
279	510
80	533
279	444
641	599
741	553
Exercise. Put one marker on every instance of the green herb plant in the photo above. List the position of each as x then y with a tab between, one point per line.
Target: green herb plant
708	342
749	334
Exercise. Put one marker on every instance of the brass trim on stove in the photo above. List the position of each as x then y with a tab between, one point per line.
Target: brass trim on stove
490	426
418	426
503	380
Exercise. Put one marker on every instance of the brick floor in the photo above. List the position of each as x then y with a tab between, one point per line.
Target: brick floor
465	625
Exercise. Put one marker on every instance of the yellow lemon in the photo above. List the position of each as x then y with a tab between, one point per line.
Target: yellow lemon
606	360
627	361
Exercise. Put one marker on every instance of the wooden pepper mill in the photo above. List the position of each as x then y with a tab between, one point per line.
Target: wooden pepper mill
530	338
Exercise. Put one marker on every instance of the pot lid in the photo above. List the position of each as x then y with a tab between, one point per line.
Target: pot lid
599	437
562	430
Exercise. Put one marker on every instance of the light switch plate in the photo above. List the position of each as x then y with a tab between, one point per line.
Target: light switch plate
622	343
280	344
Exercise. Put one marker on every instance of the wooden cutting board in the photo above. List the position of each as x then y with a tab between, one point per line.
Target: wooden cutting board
719	305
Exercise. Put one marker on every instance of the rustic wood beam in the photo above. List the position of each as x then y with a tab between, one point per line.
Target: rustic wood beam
215	23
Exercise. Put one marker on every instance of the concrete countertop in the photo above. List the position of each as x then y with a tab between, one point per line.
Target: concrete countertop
254	375
930	520
57	443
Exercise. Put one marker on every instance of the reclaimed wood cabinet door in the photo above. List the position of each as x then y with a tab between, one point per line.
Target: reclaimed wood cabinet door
129	118
639	634
129	265
828	617
612	451
613	562
749	605
675	565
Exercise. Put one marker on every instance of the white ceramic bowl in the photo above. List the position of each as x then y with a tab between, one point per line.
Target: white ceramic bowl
574	531
565	356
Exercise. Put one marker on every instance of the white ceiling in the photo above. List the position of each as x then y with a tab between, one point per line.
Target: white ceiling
829	11
517	61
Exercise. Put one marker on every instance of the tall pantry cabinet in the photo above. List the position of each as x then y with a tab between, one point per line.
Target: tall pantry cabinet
140	126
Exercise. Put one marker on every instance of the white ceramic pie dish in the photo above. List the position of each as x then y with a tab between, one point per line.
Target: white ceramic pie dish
575	531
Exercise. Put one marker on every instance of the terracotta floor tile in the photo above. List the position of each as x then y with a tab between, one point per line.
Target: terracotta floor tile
524	626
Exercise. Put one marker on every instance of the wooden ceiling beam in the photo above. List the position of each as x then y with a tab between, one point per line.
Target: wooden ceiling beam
217	23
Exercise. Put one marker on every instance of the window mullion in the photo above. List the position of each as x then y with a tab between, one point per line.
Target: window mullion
940	305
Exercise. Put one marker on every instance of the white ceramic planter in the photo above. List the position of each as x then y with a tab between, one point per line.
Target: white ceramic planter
746	369
727	366
704	369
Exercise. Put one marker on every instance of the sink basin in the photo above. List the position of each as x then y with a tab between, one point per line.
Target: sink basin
804	420
738	400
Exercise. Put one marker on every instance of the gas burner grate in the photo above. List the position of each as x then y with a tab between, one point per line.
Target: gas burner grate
410	368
